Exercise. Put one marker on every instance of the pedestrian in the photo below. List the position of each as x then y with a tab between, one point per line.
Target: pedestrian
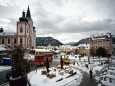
102	63
86	65
90	72
74	63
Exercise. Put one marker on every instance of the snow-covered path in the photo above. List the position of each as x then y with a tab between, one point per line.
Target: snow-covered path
86	81
3	68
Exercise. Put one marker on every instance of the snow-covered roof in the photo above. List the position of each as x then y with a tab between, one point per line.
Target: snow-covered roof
86	46
101	36
42	50
2	48
7	33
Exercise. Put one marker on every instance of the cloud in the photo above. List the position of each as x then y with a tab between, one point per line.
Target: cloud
66	20
73	26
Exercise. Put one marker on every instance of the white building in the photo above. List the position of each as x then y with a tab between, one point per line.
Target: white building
83	49
67	47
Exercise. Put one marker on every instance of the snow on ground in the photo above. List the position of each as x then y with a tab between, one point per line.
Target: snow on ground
107	77
29	56
37	79
95	65
3	68
2	48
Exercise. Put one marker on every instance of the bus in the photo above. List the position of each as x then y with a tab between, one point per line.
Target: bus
41	55
41	58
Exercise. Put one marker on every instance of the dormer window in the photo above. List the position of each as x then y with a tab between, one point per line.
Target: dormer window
21	29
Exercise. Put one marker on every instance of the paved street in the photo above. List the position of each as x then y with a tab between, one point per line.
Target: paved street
2	77
87	81
3	74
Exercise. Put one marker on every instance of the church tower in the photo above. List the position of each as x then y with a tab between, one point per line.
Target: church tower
26	33
28	15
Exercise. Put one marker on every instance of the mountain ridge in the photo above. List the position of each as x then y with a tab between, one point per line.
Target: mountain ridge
45	41
86	41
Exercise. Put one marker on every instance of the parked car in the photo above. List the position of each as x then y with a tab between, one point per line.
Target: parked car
66	60
6	61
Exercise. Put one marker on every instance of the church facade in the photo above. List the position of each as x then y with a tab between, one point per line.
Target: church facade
25	33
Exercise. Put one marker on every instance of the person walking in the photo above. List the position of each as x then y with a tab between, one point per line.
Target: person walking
90	72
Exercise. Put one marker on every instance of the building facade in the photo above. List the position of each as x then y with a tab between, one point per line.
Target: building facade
103	40
83	49
25	33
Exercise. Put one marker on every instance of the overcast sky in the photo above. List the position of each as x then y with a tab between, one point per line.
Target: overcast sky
65	20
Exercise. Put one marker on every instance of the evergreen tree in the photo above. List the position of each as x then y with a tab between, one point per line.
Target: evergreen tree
1	30
101	52
20	66
92	52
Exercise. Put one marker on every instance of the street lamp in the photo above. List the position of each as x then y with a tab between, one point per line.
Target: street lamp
61	60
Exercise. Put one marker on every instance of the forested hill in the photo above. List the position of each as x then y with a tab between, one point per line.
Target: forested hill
45	41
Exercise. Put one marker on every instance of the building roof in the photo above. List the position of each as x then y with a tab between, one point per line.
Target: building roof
86	46
7	34
28	15
101	36
2	48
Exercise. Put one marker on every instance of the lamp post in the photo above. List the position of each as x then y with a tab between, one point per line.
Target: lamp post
88	60
47	65
61	60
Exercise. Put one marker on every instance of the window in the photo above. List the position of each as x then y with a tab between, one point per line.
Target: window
20	40
14	40
27	29
37	57
8	40
2	41
21	29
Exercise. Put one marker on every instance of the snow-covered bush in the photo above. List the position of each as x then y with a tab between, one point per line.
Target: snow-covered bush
43	72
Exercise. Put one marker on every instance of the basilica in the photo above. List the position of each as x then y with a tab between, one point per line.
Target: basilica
25	33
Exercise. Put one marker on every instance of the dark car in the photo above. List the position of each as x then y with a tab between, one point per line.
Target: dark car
6	61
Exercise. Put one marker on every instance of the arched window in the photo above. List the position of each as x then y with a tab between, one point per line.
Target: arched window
14	40
20	40
21	29
8	40
27	29
2	41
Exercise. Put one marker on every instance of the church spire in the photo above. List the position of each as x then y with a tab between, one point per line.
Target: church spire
28	15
